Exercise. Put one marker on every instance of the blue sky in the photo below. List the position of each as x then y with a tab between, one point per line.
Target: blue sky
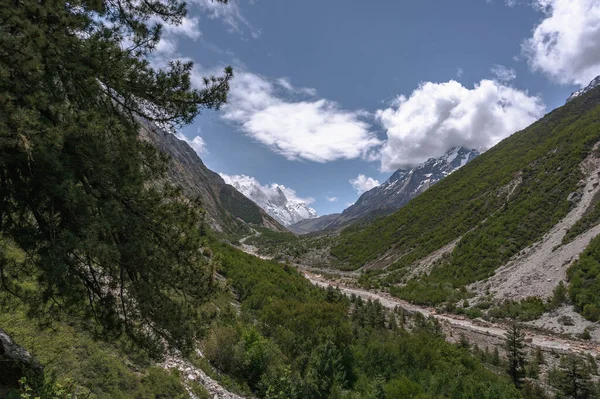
316	100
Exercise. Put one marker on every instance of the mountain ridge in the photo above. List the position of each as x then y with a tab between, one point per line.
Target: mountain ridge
227	210
402	186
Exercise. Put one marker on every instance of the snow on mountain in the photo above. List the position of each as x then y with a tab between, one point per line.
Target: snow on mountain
593	84
406	184
279	201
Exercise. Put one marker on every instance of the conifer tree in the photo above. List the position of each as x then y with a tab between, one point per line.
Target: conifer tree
515	355
572	379
80	194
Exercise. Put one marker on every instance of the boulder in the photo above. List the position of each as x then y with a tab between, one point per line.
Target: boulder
15	363
574	196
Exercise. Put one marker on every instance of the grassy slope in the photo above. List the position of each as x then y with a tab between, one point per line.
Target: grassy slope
471	203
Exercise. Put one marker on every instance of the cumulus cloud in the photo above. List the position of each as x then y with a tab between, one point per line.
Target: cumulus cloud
292	123
363	183
438	116
229	13
502	73
197	143
331	199
259	193
565	45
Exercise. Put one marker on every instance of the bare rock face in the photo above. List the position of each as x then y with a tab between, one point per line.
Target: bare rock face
226	208
15	363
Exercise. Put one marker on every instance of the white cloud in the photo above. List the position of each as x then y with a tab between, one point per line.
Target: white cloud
438	116
331	199
287	85
279	201
188	28
459	73
502	73
229	13
269	189
565	45
197	143
276	115
363	183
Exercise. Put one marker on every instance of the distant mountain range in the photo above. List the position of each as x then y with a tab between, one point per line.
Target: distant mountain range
278	201
395	192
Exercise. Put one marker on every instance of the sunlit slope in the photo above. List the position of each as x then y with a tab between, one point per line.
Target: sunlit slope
499	203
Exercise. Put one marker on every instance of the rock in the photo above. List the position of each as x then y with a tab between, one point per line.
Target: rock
15	363
574	196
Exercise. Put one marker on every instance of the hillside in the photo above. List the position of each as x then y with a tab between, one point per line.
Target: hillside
311	225
402	186
227	209
491	209
406	184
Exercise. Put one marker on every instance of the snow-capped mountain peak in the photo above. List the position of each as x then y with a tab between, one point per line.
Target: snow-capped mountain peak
279	201
593	84
405	184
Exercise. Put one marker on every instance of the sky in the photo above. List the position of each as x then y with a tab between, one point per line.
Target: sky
329	98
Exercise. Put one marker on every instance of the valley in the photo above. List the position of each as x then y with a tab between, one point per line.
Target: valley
242	200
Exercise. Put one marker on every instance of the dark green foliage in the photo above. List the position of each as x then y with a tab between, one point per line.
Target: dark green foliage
515	355
584	284
541	164
572	379
559	296
526	309
325	349
78	189
531	390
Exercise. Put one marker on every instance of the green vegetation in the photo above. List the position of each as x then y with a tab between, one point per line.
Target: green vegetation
527	309
90	366
501	202
271	242
300	340
106	238
584	285
572	378
515	354
589	220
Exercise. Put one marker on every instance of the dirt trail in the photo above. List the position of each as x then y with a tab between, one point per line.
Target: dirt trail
484	330
193	373
538	269
251	249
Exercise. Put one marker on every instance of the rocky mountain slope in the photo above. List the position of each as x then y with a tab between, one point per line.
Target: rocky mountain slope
395	192
406	184
277	200
227	210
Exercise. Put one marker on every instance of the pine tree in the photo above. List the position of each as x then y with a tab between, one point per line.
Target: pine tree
80	194
572	379
515	355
